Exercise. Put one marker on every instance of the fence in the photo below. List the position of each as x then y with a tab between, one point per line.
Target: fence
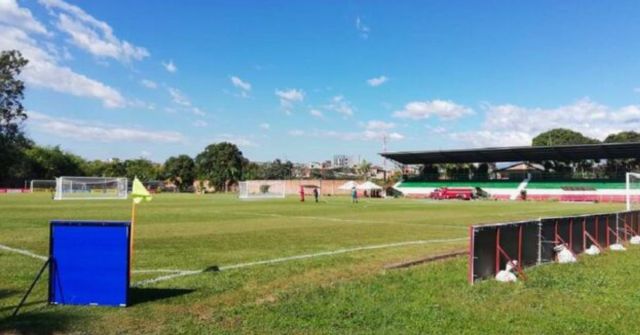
532	242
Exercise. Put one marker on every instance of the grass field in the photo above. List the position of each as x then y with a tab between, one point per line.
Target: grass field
344	292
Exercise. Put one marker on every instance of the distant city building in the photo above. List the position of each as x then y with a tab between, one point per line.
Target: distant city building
342	161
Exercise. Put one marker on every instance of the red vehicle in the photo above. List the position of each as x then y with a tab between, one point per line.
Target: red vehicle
452	193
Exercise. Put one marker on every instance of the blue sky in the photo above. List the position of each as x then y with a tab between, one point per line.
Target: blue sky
304	80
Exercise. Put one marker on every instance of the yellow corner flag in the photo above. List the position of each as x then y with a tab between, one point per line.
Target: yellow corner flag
139	192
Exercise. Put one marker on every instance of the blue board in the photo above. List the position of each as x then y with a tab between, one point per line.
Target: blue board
90	263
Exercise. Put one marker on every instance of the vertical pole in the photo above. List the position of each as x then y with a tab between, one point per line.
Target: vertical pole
555	237
597	228
133	224
571	234
628	186
520	246
584	229
497	250
607	230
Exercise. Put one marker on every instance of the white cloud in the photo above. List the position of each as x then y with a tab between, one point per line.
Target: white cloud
43	70
170	67
374	82
200	123
149	83
265	126
341	105
239	83
289	97
515	125
91	34
362	28
374	130
197	111
238	140
444	109
85	131
178	97
379	125
316	113
13	15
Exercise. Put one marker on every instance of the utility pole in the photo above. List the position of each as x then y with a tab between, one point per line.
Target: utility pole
384	159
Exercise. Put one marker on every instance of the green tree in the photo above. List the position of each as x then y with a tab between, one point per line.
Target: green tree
561	136
623	137
616	168
142	168
278	170
181	170
52	162
363	169
220	164
115	168
12	114
252	170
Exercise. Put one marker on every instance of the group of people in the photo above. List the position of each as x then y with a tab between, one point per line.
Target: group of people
316	194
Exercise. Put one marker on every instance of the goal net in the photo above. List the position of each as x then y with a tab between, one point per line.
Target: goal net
262	189
632	191
90	188
43	186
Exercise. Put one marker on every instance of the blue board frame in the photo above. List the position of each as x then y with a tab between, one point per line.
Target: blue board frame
90	262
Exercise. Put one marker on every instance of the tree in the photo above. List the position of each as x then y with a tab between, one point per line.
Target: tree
142	168
220	164
618	167
12	139
363	168
561	136
52	162
181	170
623	137
277	170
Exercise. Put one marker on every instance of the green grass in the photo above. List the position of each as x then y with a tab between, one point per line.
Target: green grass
345	293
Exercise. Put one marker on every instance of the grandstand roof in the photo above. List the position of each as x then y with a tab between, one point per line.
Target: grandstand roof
516	154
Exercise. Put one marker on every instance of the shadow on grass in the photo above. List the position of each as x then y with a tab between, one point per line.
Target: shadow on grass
7	293
48	321
140	295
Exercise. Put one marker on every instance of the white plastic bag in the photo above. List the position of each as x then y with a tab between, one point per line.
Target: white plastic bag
617	247
564	255
593	250
507	274
635	240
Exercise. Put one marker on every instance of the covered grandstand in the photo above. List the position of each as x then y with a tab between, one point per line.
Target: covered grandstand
545	185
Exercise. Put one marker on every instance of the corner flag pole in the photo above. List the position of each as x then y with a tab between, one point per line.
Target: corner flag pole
133	225
138	194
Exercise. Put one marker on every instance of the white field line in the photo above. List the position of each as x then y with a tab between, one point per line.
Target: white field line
322	218
23	252
297	257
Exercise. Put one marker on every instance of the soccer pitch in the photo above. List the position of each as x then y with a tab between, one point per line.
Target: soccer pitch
291	267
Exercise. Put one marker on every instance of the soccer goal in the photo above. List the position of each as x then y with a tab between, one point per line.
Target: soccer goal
90	188
262	189
632	193
42	185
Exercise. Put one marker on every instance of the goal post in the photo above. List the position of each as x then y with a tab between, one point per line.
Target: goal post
42	185
262	189
91	188
632	190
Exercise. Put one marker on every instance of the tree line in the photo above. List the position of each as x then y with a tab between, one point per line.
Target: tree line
21	159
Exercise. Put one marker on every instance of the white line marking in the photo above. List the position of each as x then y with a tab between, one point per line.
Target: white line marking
344	220
158	271
297	257
23	252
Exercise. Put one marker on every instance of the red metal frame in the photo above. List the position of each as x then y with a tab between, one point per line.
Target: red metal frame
500	252
471	256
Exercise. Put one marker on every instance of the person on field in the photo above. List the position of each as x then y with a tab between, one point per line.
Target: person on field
301	193
316	193
354	195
